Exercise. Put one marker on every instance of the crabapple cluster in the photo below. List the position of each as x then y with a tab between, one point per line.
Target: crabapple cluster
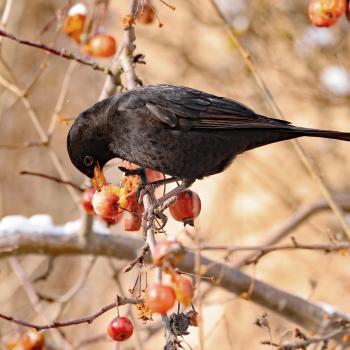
110	202
93	40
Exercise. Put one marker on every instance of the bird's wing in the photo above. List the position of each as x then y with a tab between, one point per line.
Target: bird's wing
186	108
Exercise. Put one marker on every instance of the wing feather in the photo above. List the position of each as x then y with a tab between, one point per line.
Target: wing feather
185	108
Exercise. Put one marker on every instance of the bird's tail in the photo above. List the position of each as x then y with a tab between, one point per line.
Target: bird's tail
338	135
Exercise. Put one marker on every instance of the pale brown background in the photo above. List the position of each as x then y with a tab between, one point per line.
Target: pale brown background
261	189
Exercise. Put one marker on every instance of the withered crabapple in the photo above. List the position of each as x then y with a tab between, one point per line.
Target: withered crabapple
132	223
167	251
184	289
145	15
87	200
75	21
107	202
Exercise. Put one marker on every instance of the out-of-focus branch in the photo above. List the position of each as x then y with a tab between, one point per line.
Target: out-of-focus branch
62	53
296	309
304	157
41	133
53	178
297	218
35	301
262	250
302	342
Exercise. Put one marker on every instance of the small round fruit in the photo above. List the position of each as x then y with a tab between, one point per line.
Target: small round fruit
186	207
101	45
159	298
145	15
183	288
133	223
87	200
120	329
167	251
325	13
106	202
33	340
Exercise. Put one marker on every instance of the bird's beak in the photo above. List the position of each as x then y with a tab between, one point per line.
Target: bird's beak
99	179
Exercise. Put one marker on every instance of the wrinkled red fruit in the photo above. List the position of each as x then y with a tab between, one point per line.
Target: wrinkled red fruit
159	298
105	202
183	288
145	15
153	175
167	251
87	200
74	26
186	207
132	223
120	329
325	13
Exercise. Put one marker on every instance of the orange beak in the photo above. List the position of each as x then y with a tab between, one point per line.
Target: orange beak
99	179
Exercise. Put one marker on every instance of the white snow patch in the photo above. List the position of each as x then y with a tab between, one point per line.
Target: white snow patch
336	79
41	220
329	309
13	223
313	38
43	223
78	9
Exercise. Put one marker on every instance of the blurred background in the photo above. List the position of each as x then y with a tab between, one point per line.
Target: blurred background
307	70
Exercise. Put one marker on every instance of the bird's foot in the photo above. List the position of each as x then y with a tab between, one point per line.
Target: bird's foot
151	186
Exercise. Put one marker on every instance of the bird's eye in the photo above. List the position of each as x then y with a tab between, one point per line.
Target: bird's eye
88	161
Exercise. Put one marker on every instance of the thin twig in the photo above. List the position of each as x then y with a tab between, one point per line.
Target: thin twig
301	343
23	145
53	178
89	319
62	53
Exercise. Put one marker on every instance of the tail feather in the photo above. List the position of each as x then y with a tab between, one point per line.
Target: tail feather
329	134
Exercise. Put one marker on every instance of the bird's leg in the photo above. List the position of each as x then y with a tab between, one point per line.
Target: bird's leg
151	186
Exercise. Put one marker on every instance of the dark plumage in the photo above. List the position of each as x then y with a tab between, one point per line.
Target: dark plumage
179	131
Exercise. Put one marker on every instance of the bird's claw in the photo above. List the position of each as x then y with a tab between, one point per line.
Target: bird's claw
142	190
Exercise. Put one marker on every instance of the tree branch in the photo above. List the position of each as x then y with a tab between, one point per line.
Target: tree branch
296	309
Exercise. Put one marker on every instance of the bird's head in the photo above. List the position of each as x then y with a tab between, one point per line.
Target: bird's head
88	142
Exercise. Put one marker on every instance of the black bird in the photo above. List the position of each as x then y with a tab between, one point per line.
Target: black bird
179	131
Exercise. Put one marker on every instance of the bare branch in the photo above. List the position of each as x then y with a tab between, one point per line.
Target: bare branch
53	178
303	213
62	53
89	319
